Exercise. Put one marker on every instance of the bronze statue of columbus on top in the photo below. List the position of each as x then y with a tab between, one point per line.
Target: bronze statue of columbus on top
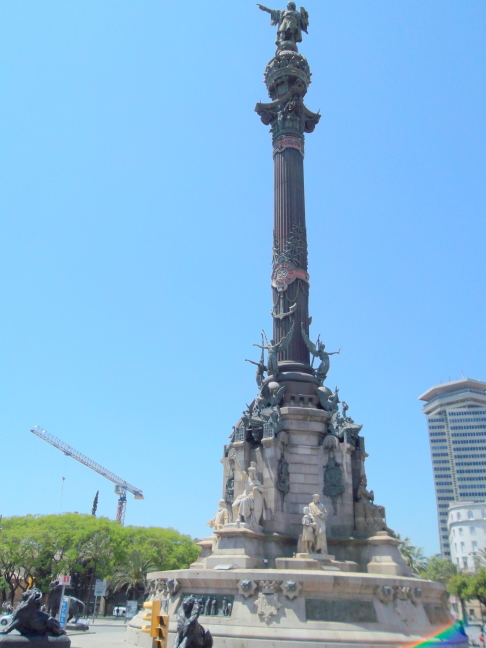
291	23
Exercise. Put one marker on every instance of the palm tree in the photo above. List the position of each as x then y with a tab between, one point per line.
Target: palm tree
413	556
97	550
440	570
132	574
480	558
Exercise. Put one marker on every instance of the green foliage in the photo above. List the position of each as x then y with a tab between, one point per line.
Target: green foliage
85	547
95	504
132	574
413	556
439	570
459	584
477	586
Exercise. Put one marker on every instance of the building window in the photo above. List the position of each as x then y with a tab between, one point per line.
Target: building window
483	513
460	531
453	532
455	547
470	515
475	545
464	563
458	516
458	563
473	530
463	547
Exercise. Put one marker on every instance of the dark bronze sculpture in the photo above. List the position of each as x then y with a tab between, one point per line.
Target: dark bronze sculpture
76	607
30	621
273	349
190	633
291	23
318	350
261	367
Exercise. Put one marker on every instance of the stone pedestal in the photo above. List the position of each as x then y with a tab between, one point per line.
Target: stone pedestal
18	641
385	557
305	608
237	546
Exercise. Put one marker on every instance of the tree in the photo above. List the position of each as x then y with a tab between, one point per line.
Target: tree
477	586
86	547
439	570
413	556
458	586
132	574
95	504
96	551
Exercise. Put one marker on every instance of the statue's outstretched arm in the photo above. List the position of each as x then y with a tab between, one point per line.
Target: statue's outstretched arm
239	468
334	352
260	347
263	8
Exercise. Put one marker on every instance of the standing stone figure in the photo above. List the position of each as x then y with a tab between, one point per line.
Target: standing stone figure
214	607
308	532
248	507
221	517
291	23
318	350
319	513
207	606
273	349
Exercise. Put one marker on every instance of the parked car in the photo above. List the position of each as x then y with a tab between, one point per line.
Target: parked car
5	619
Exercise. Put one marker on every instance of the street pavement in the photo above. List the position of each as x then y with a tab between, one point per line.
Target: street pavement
110	633
104	633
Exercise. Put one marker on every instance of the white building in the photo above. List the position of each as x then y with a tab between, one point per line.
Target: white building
467	532
456	417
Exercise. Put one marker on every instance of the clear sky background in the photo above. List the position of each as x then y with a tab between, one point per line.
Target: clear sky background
136	200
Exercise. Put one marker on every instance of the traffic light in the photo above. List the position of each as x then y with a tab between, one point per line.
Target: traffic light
159	624
163	631
153	617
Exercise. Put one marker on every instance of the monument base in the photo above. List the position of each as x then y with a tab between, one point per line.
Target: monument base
306	608
39	641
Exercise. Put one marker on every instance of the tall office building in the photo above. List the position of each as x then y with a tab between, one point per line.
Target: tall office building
456	418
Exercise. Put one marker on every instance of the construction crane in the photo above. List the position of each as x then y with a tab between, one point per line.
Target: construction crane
121	486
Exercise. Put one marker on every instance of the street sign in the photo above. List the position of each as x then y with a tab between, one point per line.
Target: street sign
64	611
65	581
100	588
131	609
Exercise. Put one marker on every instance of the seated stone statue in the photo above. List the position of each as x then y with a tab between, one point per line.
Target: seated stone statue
30	620
221	517
369	517
248	507
190	633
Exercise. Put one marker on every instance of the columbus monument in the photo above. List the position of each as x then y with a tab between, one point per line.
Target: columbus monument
300	554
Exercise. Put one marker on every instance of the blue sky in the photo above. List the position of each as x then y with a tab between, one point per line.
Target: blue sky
136	188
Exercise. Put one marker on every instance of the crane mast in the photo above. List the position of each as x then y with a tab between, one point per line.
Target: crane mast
121	486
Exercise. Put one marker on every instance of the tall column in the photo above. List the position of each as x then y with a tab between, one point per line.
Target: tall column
287	78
